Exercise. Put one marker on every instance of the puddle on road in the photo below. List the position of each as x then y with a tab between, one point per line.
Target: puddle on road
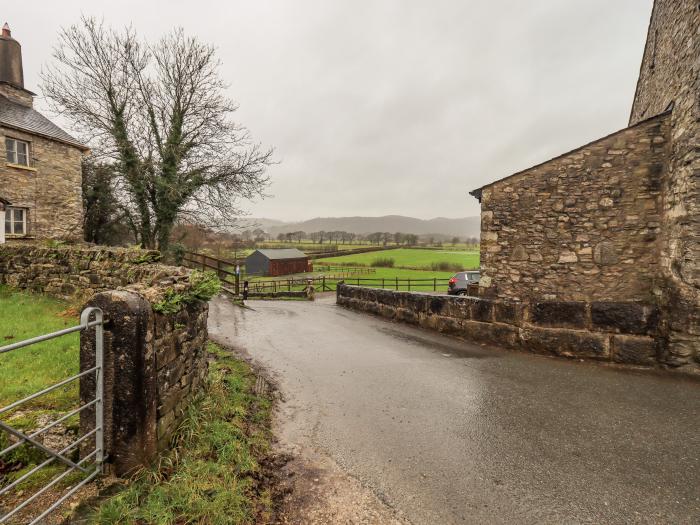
455	349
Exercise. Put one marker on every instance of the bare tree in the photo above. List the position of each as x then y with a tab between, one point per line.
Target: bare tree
159	112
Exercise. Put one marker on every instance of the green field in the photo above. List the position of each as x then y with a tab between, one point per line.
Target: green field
30	369
27	370
411	258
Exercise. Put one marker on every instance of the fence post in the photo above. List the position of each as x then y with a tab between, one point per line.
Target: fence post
238	284
323	283
397	284
434	284
204	264
409	284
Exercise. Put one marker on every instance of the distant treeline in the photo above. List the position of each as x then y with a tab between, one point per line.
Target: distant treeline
378	238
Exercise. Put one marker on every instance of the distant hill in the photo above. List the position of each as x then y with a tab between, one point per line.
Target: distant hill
463	227
264	224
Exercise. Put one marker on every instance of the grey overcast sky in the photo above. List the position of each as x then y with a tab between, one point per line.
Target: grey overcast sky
393	106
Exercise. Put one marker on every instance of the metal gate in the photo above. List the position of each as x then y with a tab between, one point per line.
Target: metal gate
90	464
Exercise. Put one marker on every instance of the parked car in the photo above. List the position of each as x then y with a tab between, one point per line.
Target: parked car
460	282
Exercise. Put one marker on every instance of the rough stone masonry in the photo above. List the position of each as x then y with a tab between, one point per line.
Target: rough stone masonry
619	219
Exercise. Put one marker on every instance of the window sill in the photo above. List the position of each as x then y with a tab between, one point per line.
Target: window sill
20	167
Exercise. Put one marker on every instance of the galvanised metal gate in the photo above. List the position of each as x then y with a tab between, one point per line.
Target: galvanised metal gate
91	462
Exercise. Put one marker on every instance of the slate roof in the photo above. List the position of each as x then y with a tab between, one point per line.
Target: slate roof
287	253
27	119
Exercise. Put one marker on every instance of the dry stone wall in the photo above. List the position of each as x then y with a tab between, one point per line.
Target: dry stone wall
582	227
155	362
619	332
71	271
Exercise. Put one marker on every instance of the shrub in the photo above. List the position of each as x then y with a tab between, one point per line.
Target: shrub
176	253
383	262
446	266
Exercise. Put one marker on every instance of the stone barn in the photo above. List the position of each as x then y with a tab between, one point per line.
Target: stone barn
277	262
615	225
617	220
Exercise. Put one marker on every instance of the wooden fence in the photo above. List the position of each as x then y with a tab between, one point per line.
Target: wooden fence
322	283
396	283
347	270
225	270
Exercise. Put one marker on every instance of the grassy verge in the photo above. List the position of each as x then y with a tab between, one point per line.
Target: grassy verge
214	473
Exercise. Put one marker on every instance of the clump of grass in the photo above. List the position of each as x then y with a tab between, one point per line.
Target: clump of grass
203	286
383	262
446	266
212	474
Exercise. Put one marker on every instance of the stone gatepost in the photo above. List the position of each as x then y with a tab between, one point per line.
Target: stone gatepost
130	401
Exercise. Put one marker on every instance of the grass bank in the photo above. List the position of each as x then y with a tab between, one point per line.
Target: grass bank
214	474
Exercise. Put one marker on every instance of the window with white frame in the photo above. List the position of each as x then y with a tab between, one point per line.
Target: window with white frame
17	151
15	221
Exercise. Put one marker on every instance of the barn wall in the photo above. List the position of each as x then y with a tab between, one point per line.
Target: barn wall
288	266
256	264
582	227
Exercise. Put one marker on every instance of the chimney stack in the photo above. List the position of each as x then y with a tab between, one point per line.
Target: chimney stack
10	59
11	74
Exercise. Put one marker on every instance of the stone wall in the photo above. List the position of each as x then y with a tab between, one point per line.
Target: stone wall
154	366
70	271
582	227
670	76
50	188
154	362
619	332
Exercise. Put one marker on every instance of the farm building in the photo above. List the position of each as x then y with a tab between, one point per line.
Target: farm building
616	222
277	262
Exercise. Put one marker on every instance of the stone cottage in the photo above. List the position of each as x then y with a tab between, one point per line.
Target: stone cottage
617	220
40	175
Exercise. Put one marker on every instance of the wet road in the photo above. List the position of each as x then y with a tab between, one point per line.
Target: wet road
448	432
